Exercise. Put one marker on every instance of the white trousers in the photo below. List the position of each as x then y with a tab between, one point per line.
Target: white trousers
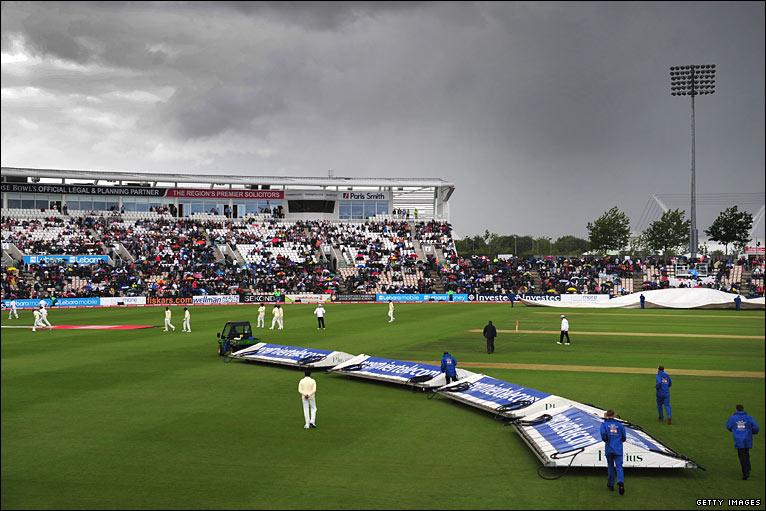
187	325
37	324
309	409
390	316
12	312
281	323
44	322
274	322
169	325
261	321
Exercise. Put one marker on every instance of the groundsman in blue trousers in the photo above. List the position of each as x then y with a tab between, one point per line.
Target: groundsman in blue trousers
663	384
613	435
743	427
449	367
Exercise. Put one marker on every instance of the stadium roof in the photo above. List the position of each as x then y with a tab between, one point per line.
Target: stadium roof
224	179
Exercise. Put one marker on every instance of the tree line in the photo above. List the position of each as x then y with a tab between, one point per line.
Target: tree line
668	235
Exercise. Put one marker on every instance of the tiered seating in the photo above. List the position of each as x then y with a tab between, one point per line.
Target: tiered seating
208	216
347	272
480	274
401	280
258	217
365	244
176	257
51	235
144	215
90	213
733	277
255	253
256	241
756	281
382	218
30	213
438	234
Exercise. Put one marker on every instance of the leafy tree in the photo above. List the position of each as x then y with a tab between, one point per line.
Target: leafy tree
731	226
570	245
503	244
543	246
523	244
716	254
491	244
637	245
471	246
668	233
610	231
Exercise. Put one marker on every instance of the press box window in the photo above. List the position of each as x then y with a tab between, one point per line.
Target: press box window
357	210
311	206
344	210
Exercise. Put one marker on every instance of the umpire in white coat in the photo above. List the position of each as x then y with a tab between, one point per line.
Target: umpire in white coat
564	331
319	313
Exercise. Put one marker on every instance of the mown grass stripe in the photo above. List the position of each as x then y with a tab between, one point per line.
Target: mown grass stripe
606	369
630	334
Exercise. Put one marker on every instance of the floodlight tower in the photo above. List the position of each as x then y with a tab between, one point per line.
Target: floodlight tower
692	81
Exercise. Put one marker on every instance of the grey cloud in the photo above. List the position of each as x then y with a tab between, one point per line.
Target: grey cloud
556	108
318	15
199	114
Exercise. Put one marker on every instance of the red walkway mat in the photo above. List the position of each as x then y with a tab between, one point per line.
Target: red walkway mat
98	327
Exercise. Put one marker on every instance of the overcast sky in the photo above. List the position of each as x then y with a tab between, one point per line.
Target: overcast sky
543	115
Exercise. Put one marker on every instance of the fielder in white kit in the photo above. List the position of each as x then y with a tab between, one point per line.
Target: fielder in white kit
261	316
187	320
168	324
307	388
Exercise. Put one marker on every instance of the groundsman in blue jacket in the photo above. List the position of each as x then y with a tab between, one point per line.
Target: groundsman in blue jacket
663	384
449	367
743	427
613	435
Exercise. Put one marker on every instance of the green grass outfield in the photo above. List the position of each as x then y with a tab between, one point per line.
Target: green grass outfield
149	420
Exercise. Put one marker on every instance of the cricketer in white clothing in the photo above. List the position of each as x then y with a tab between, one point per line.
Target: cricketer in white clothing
44	318
168	324
390	311
261	316
307	388
36	313
277	317
187	320
12	310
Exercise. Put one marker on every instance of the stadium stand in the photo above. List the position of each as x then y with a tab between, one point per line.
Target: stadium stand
193	235
158	255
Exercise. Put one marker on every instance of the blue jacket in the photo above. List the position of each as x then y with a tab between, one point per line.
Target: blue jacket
663	384
449	365
743	427
613	435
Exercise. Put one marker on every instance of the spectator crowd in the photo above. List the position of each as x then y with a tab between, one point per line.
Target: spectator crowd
164	256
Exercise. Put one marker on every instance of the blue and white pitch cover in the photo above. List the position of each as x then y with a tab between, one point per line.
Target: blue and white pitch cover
396	371
571	436
292	355
505	398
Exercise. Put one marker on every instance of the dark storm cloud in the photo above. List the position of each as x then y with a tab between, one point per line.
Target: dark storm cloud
317	15
220	108
559	110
